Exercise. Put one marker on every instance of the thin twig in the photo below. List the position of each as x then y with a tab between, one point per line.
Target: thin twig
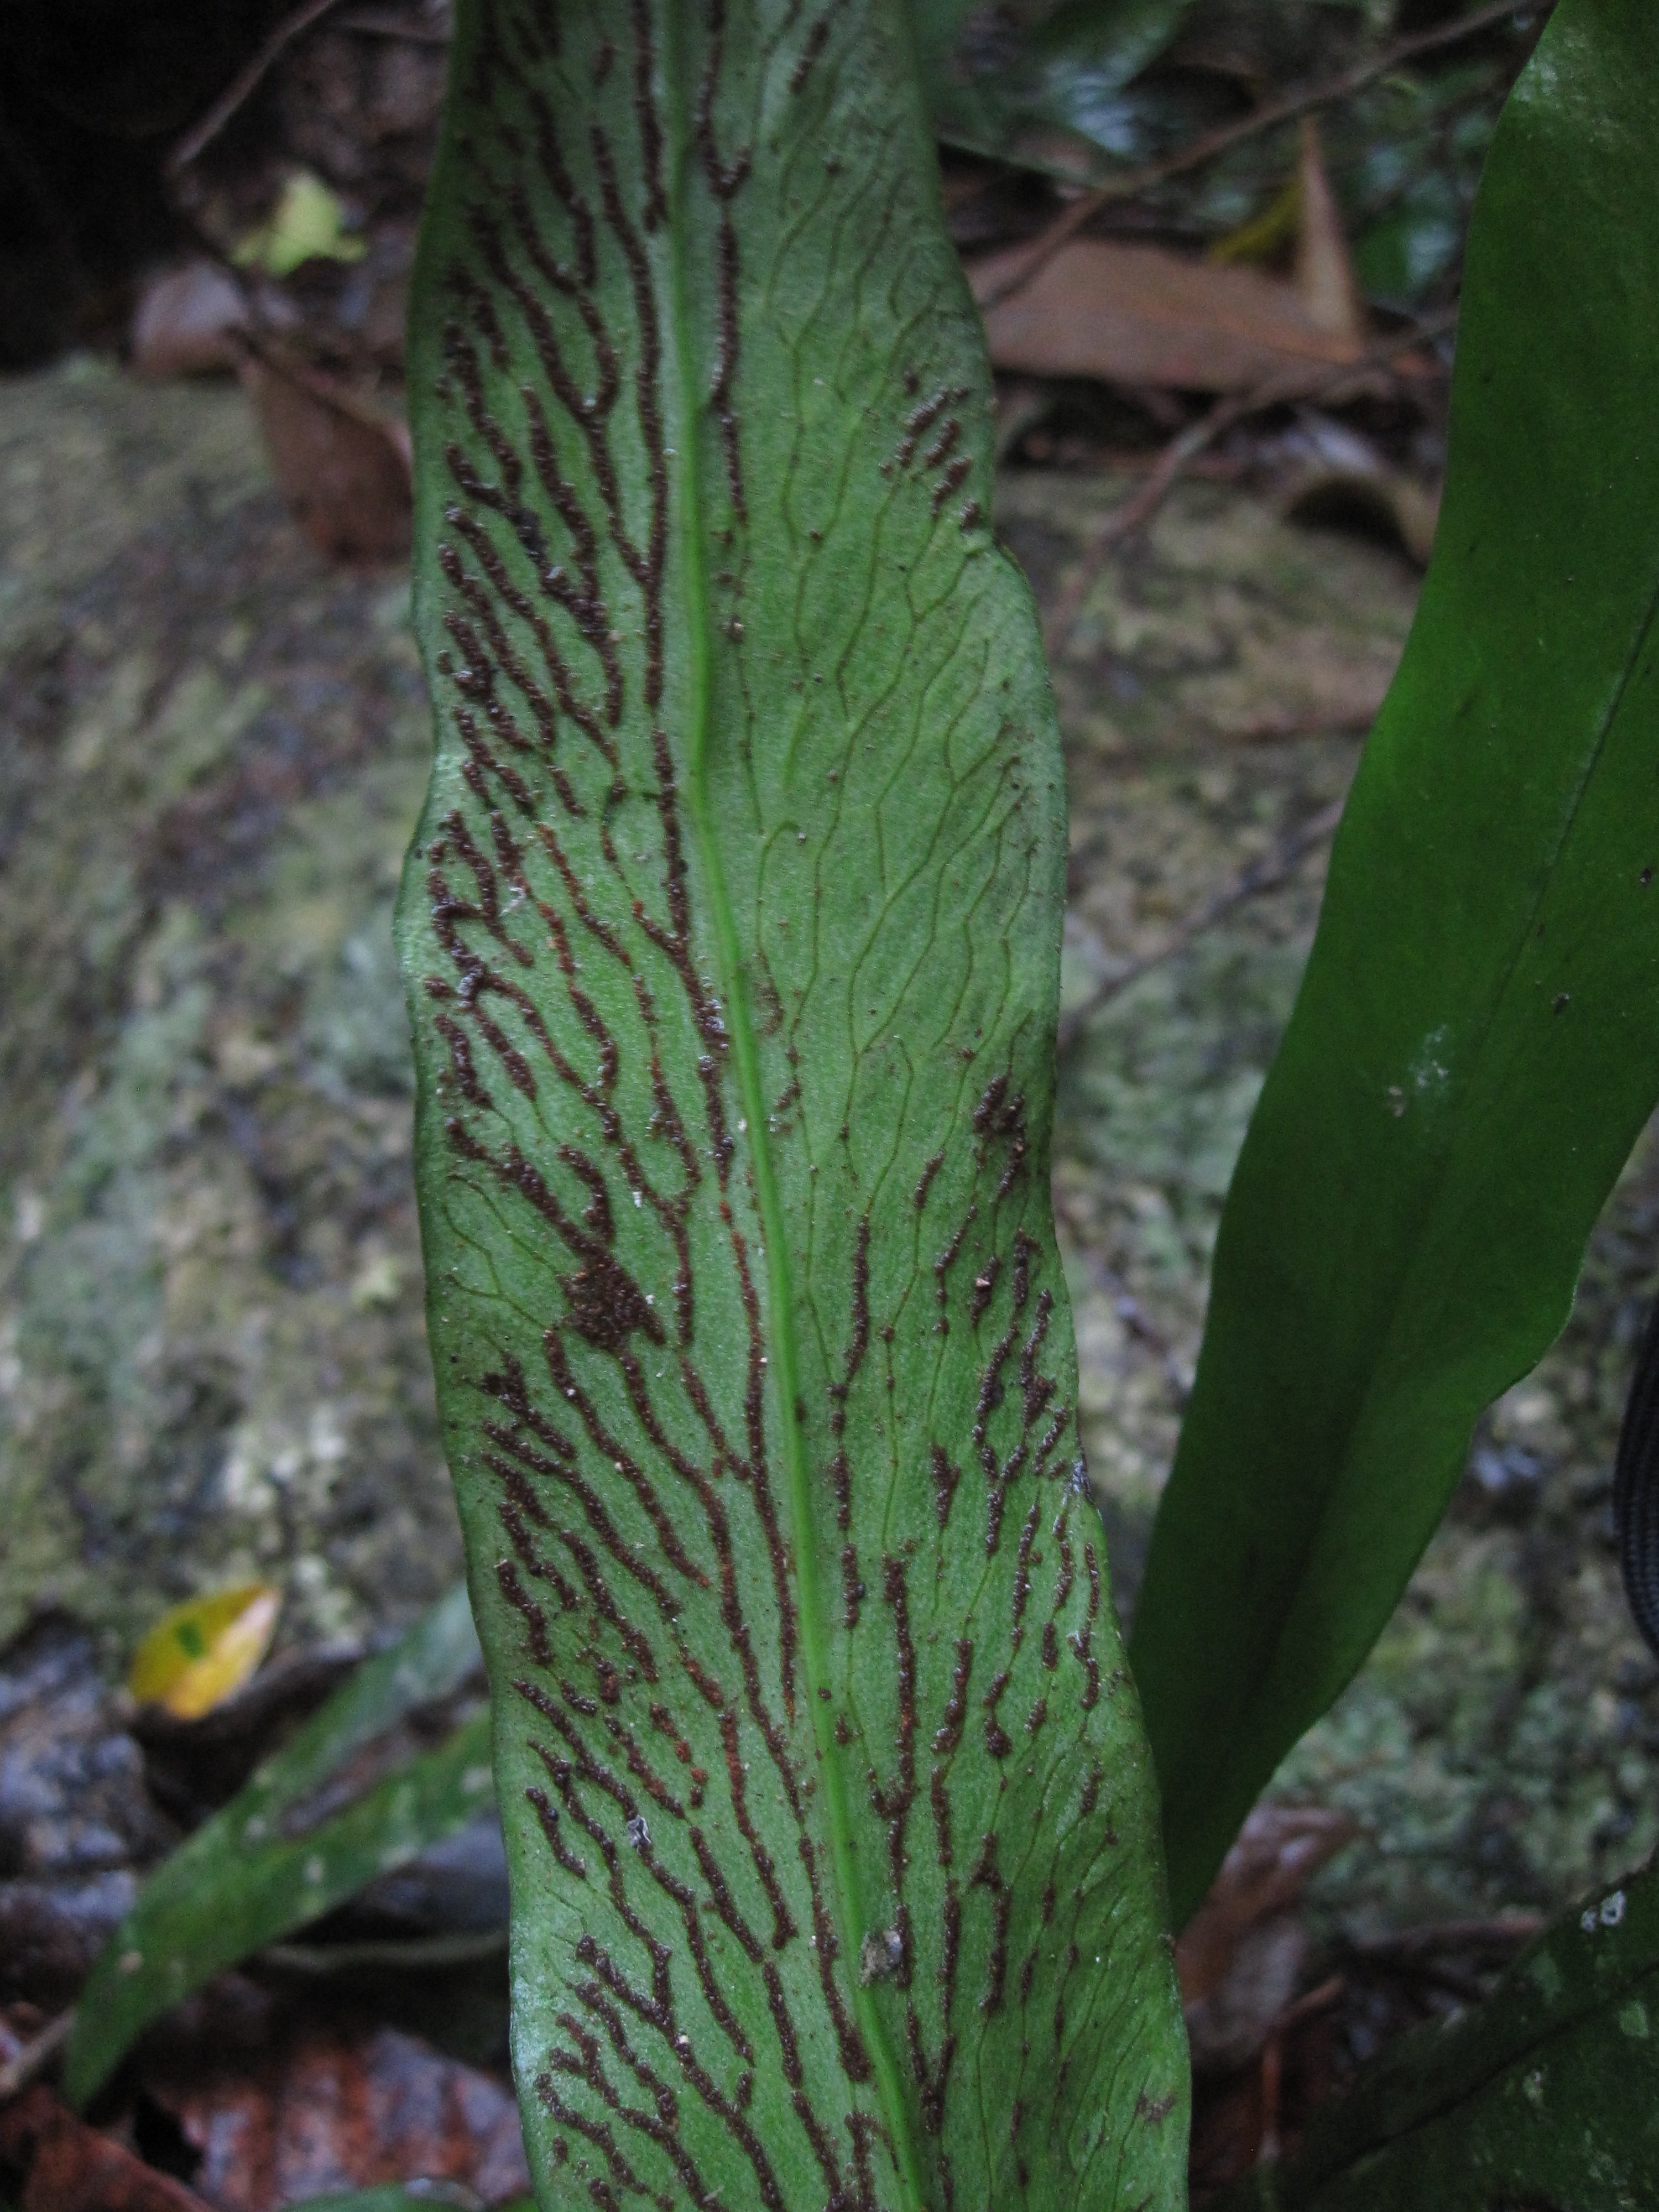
1134	512
33	2056
246	82
1288	109
1263	875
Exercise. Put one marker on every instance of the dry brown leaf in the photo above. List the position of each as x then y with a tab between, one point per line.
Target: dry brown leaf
331	2110
343	470
1324	268
1140	315
1278	1849
1239	1957
68	2166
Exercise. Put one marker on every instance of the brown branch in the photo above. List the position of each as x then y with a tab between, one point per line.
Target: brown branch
1135	512
246	82
1288	109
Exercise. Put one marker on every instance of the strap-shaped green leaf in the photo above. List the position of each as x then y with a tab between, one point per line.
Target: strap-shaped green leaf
346	1799
1476	1043
731	936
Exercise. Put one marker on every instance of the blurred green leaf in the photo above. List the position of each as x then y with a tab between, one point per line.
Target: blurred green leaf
1406	158
1546	2095
345	1801
1476	1042
1400	257
1048	87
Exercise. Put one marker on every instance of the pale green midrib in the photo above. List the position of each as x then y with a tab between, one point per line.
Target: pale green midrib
850	1912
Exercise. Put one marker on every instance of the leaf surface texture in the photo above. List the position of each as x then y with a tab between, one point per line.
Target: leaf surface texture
731	936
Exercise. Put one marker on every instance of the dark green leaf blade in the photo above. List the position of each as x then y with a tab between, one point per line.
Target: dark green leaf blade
1476	1043
1545	2094
309	1830
731	934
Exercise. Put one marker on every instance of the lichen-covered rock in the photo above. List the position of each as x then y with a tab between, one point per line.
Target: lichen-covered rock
212	1356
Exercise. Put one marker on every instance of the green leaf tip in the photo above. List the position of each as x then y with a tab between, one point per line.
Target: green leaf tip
732	938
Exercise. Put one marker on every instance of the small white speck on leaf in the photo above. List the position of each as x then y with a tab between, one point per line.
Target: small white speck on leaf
879	1955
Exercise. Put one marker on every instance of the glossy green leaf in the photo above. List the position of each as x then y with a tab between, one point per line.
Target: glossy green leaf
1476	1042
1546	2095
350	1798
731	931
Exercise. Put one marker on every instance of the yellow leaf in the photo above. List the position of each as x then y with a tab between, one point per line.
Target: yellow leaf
203	1650
307	224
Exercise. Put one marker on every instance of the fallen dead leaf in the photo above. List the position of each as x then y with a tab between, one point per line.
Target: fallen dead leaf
1239	1957
307	2111
1324	268
67	2166
1260	2110
1138	315
343	470
202	1652
1384	1986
